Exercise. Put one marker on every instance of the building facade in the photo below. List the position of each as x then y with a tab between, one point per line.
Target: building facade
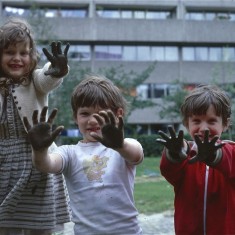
192	42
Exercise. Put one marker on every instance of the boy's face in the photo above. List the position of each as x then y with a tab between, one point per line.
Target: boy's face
16	60
87	123
197	124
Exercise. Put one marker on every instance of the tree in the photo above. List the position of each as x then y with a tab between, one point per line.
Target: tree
127	81
172	102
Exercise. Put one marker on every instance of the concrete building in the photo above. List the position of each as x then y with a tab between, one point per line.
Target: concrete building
192	41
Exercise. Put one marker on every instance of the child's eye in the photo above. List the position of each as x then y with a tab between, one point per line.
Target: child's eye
25	53
9	52
212	121
84	113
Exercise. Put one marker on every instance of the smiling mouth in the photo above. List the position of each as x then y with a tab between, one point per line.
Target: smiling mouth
15	66
93	129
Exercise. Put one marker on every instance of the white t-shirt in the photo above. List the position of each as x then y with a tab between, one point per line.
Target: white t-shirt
100	184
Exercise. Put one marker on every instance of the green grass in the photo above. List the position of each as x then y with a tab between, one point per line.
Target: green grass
153	194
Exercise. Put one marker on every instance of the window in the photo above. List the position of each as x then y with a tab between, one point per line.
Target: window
131	13
201	53
45	12
126	14
108	13
108	52
195	16
101	52
76	13
143	91
148	91
143	53
139	14
129	53
159	91
209	15
188	53
80	52
157	53
158	15
115	52
171	53
228	54
215	54
13	11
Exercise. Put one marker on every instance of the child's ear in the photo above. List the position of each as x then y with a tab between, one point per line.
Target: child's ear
227	124
119	112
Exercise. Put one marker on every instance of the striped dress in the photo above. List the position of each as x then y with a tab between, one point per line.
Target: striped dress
28	199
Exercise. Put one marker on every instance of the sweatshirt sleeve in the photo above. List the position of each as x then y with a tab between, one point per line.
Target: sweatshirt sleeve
45	83
227	164
173	172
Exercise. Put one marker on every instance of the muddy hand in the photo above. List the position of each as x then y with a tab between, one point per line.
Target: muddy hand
174	144
59	60
40	135
112	130
206	148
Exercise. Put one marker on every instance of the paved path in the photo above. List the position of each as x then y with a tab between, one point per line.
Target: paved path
156	224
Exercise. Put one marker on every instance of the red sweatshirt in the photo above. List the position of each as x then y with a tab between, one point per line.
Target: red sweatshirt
204	196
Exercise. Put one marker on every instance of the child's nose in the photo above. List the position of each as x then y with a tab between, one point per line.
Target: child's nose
16	56
92	120
203	128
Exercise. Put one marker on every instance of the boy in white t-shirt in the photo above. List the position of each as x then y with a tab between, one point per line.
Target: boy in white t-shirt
100	169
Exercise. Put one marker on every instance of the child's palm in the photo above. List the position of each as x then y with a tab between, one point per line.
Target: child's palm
174	144
206	148
40	134
112	132
59	61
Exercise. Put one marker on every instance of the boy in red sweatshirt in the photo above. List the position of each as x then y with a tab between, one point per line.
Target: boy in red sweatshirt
202	171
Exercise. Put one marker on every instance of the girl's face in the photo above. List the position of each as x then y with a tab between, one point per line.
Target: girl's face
16	60
87	123
197	124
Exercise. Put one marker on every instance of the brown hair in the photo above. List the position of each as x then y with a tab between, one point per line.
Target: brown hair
18	30
97	91
199	100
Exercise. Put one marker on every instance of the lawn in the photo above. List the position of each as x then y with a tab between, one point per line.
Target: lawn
152	192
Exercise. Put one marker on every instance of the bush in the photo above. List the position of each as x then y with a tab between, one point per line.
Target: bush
150	146
148	142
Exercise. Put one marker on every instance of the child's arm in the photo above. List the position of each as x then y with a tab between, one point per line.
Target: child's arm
113	137
131	150
176	147
41	137
51	75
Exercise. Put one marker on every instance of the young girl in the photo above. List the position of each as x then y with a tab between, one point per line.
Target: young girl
100	169
202	171
30	202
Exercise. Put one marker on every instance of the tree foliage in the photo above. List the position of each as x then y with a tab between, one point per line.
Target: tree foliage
127	81
172	103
